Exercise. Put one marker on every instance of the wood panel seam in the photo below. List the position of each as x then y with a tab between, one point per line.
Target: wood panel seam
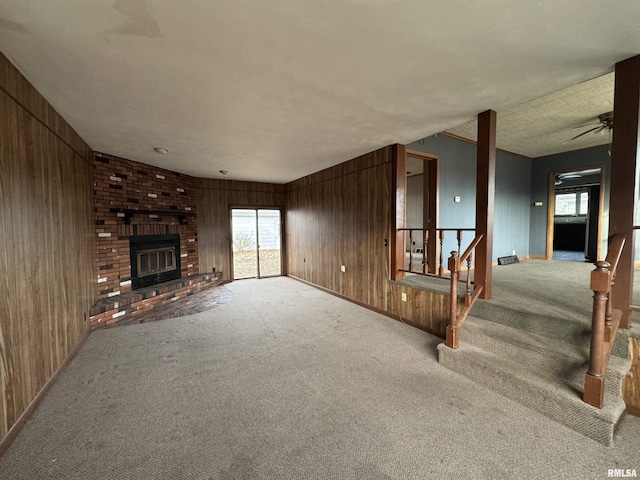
33	115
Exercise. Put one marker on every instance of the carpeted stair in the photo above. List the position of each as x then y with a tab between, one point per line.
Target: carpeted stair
542	373
572	326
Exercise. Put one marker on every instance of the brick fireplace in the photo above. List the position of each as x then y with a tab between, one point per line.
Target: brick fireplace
137	203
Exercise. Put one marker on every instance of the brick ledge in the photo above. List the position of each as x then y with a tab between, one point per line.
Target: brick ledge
111	310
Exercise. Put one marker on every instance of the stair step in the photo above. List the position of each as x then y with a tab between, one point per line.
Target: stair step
575	331
544	374
540	353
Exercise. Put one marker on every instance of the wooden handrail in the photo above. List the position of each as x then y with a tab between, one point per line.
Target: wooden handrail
465	311
470	248
604	322
614	252
406	229
471	295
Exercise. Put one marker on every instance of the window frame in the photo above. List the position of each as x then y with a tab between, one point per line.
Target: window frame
577	192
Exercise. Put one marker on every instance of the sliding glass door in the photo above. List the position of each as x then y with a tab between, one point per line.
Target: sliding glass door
256	242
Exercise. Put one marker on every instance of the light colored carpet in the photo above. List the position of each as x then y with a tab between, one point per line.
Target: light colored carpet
286	381
544	374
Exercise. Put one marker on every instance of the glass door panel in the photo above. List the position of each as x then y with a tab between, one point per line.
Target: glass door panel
269	243
244	236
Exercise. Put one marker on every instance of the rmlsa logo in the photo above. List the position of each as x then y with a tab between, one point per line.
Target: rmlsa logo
622	473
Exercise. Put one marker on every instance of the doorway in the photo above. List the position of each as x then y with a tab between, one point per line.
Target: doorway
574	228
256	236
421	211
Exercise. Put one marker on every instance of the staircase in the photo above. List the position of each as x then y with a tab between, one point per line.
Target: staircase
544	373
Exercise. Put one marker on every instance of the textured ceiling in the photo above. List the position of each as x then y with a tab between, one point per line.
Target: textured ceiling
543	126
274	90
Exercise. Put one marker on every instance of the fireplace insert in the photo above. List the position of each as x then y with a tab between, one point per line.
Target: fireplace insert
154	259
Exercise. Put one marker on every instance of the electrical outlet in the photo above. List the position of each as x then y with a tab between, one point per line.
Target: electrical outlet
514	252
404	297
343	269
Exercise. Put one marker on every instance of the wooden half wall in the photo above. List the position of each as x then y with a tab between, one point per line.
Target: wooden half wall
344	216
215	198
631	386
47	275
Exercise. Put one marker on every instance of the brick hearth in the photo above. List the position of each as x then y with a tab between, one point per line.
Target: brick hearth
136	303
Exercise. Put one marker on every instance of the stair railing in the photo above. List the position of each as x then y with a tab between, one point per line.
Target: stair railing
604	322
471	295
429	264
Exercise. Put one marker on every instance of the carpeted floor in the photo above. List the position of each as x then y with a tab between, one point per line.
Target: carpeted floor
569	256
286	381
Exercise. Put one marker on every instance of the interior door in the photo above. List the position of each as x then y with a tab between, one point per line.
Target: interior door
256	242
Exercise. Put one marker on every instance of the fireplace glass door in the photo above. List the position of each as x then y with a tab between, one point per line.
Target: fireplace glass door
257	238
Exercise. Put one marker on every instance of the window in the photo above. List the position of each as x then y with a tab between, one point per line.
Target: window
573	203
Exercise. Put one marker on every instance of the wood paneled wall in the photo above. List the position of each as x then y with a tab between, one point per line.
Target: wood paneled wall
214	199
47	273
343	216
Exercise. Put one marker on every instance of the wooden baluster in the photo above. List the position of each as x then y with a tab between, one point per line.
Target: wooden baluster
410	250
459	235
467	298
594	379
441	266
608	317
452	334
425	239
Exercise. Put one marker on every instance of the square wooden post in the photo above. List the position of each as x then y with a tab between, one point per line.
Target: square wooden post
624	156
485	195
398	197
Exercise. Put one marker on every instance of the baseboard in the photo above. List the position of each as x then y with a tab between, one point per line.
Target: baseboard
31	408
537	257
368	307
633	410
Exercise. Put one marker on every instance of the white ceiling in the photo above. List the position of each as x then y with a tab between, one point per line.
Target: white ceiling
272	90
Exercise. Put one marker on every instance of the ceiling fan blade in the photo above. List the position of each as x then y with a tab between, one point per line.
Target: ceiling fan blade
587	125
583	133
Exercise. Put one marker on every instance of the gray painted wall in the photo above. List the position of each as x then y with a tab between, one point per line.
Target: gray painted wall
458	178
520	182
542	168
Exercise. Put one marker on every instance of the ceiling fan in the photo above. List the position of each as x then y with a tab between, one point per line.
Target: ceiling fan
603	125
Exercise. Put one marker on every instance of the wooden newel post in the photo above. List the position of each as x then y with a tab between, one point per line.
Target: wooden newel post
594	379
451	340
